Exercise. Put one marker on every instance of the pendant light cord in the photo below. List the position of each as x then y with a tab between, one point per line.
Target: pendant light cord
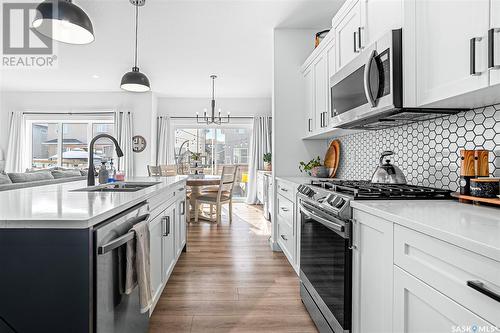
136	24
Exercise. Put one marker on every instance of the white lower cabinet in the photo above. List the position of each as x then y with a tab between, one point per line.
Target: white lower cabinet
407	281
420	308
372	274
162	254
156	243
167	229
287	223
168	242
180	231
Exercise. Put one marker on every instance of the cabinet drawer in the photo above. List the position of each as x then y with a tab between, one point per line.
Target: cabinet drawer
420	308
159	202
285	189
286	239
285	209
448	268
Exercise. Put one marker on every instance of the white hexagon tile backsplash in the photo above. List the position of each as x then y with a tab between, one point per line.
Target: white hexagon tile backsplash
428	152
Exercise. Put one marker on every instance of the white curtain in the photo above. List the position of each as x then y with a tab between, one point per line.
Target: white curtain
164	142
124	130
261	144
16	153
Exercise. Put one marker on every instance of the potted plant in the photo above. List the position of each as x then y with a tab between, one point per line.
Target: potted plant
314	168
267	162
195	156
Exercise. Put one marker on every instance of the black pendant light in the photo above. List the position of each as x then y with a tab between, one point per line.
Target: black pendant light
63	21
135	81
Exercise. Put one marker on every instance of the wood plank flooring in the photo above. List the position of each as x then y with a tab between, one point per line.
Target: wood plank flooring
229	280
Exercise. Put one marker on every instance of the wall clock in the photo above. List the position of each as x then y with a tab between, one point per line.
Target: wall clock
138	143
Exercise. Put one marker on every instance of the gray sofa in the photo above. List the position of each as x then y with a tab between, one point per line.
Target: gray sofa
12	181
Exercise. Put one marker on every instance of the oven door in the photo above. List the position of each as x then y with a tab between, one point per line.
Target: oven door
370	84
325	265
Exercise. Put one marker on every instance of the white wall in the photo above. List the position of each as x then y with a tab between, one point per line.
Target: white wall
141	105
187	107
291	48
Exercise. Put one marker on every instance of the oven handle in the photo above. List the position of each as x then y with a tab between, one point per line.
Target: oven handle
115	243
325	222
367	85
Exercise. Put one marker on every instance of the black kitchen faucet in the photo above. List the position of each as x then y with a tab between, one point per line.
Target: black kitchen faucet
119	152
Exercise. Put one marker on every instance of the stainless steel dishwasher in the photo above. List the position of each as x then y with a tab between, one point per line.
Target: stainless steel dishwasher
114	310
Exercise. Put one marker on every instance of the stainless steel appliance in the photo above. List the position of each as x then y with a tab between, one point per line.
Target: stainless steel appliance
367	93
387	173
326	243
114	311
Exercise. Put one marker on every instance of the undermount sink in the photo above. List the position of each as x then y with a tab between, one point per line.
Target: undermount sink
118	187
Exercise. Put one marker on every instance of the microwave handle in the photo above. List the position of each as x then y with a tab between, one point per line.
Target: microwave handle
368	88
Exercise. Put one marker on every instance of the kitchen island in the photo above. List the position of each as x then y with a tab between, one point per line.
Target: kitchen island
56	273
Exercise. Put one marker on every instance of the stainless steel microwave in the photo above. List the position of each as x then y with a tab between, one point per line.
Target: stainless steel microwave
367	93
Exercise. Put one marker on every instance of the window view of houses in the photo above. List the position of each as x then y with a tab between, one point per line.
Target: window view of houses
66	144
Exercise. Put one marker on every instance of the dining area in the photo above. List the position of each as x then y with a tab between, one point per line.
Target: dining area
207	194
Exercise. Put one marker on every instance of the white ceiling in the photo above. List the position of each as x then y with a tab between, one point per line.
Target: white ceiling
181	43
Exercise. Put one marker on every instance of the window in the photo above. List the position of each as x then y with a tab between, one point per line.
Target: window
207	149
63	140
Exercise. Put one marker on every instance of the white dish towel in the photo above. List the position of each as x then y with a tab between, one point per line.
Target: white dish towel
138	265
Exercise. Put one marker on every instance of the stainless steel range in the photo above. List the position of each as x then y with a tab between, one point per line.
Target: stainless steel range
326	243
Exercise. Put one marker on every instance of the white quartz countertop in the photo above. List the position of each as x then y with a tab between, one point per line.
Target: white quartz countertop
58	206
476	228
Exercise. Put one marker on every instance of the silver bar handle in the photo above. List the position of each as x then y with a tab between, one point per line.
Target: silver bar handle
367	84
472	57
491	48
116	243
321	220
166	221
183	206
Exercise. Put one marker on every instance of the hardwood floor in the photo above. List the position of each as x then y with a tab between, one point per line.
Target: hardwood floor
229	280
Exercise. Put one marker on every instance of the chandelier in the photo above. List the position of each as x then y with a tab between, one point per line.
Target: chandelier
212	119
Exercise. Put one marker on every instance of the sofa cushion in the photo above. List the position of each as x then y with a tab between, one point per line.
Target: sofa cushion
29	177
4	178
15	186
66	173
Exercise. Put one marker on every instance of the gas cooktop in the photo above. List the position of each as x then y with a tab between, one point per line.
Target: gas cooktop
362	189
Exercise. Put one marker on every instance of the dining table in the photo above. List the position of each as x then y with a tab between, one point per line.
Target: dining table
196	183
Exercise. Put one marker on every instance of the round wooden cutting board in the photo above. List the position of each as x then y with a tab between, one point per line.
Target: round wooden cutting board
332	157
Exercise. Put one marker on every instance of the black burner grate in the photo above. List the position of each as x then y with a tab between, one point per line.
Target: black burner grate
361	189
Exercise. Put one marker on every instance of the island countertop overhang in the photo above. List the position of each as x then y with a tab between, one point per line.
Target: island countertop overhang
58	206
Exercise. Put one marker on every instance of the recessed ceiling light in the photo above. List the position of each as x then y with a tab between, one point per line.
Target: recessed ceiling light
95	76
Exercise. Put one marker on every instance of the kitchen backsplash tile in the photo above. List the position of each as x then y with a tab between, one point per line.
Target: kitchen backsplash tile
428	152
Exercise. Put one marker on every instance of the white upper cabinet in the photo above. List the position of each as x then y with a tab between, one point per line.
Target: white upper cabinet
494	42
347	28
330	63
378	17
320	91
309	98
450	48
